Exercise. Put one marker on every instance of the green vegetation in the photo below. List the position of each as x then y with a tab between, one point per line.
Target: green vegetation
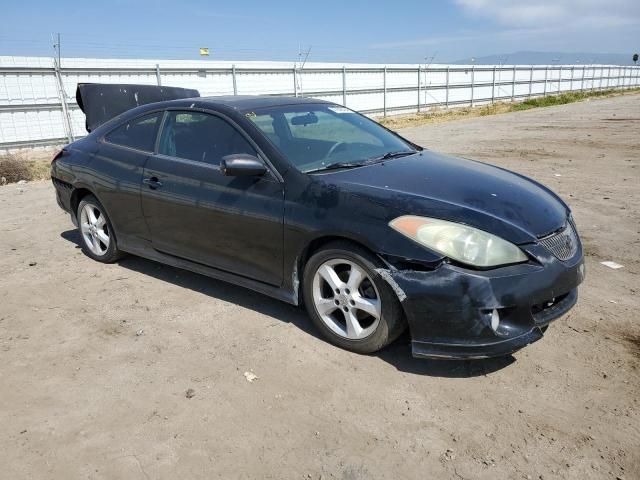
438	115
563	98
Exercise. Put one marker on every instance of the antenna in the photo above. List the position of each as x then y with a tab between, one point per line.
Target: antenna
56	47
305	57
302	63
428	60
61	90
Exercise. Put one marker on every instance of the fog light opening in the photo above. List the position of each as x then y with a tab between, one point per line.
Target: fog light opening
495	320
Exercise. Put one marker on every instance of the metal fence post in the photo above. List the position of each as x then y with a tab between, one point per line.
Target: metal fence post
233	76
608	77
600	78
560	79
63	100
530	81
473	76
158	78
295	82
624	77
419	75
384	91
493	86
426	85
620	80
618	76
571	82
582	81
513	85
344	85
587	78
446	90
546	76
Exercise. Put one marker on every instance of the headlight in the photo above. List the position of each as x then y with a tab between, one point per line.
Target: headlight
459	242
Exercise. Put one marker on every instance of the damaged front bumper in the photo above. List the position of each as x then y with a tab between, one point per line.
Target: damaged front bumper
454	312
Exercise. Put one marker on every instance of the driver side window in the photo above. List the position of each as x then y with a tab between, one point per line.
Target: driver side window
202	137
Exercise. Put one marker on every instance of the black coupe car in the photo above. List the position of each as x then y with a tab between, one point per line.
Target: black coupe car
312	203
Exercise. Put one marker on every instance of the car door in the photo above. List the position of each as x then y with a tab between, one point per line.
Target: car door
195	212
117	168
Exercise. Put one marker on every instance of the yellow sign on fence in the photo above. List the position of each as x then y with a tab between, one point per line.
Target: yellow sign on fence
204	52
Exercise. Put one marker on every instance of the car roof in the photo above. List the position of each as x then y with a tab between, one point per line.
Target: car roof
249	102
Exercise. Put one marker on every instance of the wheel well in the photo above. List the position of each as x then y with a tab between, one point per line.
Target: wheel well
315	245
76	197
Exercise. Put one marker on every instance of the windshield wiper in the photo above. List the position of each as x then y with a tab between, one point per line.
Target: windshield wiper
368	161
390	155
336	166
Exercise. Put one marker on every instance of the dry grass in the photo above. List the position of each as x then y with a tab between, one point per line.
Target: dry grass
438	115
28	164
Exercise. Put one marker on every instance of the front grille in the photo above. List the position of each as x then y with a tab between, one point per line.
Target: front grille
563	244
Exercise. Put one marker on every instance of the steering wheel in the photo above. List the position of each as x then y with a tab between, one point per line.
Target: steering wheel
334	148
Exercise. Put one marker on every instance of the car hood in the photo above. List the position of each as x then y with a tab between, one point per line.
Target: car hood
460	190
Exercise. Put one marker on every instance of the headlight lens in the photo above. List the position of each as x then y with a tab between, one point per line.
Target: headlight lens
462	243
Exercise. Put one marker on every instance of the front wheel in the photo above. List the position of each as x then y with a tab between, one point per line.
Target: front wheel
96	233
349	302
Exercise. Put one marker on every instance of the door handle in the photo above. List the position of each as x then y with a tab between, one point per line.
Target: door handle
152	182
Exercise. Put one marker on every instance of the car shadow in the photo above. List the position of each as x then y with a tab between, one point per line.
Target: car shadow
397	354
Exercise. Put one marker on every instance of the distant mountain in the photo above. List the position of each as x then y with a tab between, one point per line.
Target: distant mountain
549	58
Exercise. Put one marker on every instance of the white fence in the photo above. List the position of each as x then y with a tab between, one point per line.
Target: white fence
38	107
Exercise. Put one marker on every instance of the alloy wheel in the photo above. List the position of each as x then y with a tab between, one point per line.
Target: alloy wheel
346	299
94	229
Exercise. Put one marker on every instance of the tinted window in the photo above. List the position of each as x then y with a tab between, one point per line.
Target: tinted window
139	133
327	126
202	137
317	135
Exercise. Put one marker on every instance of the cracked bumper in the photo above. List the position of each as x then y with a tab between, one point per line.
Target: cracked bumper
449	309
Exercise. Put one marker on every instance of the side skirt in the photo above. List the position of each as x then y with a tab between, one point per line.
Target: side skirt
146	251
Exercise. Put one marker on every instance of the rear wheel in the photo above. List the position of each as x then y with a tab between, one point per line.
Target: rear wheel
96	233
348	301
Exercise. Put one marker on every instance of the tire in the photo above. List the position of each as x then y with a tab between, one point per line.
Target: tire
333	310
97	236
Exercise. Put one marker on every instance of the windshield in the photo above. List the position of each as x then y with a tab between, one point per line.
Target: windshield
316	136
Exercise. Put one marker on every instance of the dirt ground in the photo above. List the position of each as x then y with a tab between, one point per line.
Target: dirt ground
96	360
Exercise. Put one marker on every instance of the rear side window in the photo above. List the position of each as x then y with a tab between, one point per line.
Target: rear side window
201	137
139	133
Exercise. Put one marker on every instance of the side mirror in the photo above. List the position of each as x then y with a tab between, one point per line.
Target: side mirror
242	165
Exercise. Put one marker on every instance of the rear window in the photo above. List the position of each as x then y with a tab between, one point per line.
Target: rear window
139	133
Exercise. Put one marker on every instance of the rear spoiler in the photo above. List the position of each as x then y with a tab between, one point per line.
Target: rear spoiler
101	102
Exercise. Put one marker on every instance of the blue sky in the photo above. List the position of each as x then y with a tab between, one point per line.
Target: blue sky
343	31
